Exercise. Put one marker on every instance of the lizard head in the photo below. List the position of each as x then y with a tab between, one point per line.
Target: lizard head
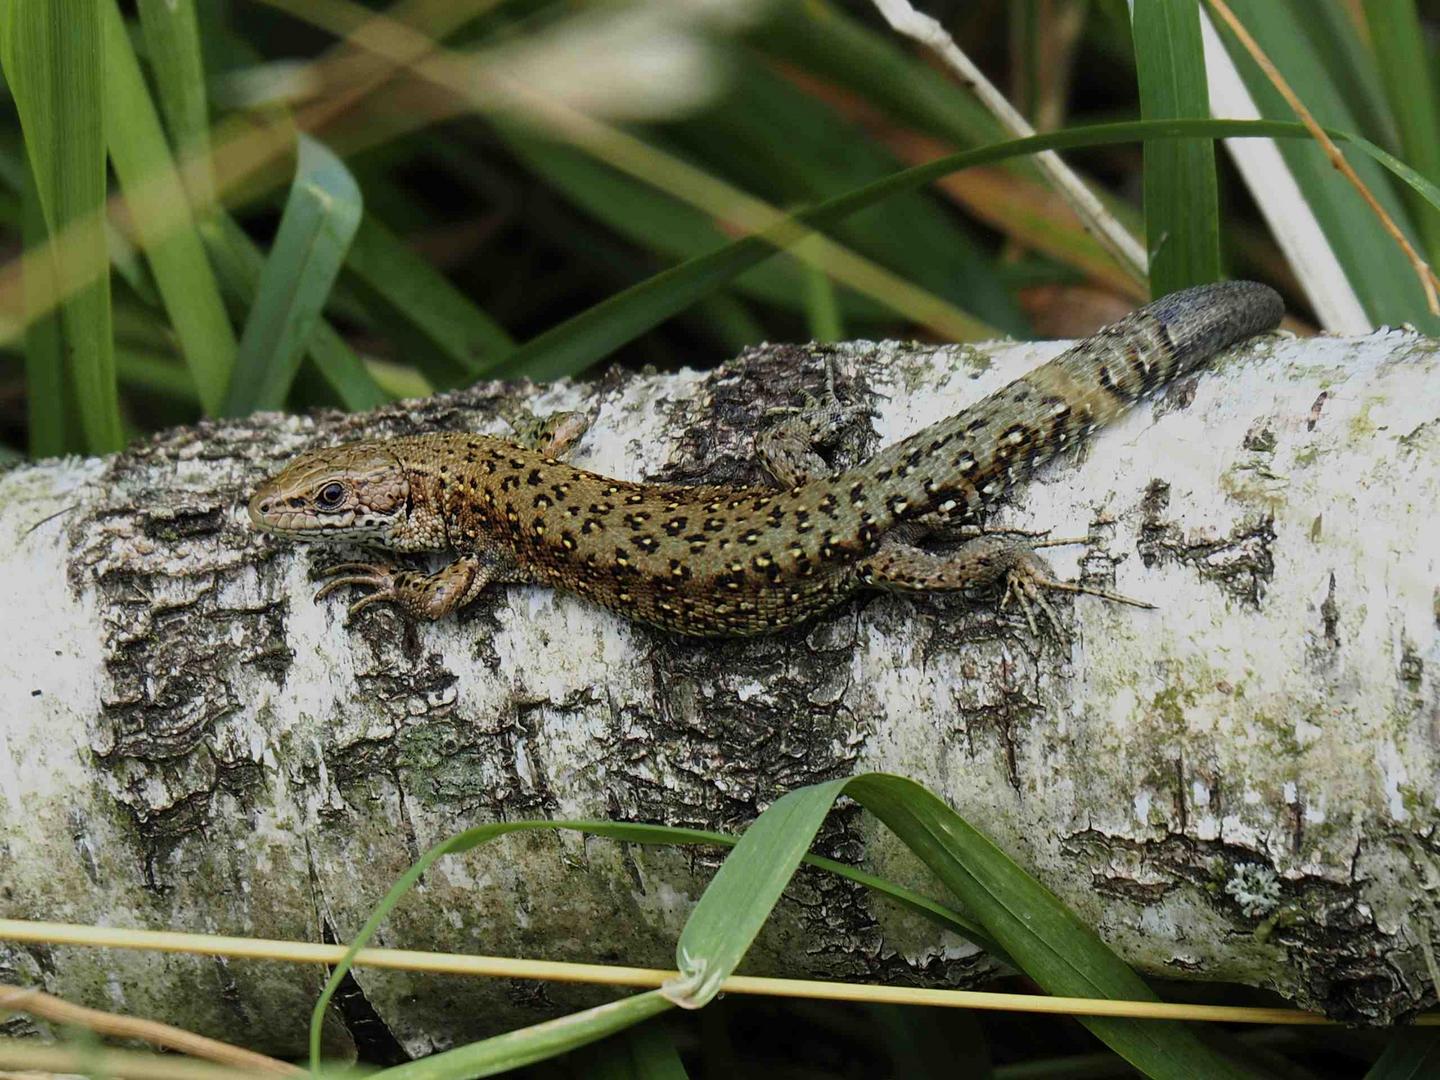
353	492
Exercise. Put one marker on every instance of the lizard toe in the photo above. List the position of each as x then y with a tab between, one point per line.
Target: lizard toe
376	578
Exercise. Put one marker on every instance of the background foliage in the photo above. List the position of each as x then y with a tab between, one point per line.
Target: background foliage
442	227
213	207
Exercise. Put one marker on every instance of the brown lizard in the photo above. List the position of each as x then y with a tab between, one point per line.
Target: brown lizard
731	561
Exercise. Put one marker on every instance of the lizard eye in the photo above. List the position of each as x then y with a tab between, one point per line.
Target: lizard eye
331	494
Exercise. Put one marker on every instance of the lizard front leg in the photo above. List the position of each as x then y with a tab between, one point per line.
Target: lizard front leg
985	561
423	596
556	435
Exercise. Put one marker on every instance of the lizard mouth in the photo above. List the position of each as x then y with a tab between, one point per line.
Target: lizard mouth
303	523
269	514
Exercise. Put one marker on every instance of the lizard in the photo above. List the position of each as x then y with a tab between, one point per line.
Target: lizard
722	561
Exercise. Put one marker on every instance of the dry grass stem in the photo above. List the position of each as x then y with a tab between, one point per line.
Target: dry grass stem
45	1006
1428	280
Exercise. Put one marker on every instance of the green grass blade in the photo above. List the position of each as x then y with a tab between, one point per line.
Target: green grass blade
49	427
1410	85
633	834
585	339
1046	940
1182	203
320	219
54	61
536	1043
241	264
172	38
1333	29
822	313
660	222
815	36
1410	1055
746	888
1377	270
443	332
819	37
154	374
778	141
172	43
645	1052
160	210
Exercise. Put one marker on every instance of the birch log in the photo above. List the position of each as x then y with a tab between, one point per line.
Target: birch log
1240	785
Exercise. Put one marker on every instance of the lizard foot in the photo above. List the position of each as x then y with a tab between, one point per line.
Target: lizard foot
555	434
377	576
1027	580
422	596
789	448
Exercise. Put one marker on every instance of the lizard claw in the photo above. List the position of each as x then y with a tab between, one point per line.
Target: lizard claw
1028	579
376	576
352	568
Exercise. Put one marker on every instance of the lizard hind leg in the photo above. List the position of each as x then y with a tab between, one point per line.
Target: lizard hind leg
988	560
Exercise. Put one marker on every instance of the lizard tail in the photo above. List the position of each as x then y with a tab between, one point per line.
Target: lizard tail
962	462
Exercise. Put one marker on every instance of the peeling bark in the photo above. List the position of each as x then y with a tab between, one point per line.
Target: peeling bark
1241	785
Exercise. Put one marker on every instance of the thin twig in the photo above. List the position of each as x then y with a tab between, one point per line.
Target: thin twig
48	1007
33	1060
1428	280
1127	250
304	952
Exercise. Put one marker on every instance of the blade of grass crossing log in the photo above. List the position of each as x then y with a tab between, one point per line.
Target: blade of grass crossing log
1047	941
1182	203
451	338
53	56
240	264
536	1043
747	886
321	216
50	428
628	833
1042	936
1414	96
160	210
588	337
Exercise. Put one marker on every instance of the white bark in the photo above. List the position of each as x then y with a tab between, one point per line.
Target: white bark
1241	785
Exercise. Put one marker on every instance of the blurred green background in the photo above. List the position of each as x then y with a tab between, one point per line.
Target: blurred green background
533	187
